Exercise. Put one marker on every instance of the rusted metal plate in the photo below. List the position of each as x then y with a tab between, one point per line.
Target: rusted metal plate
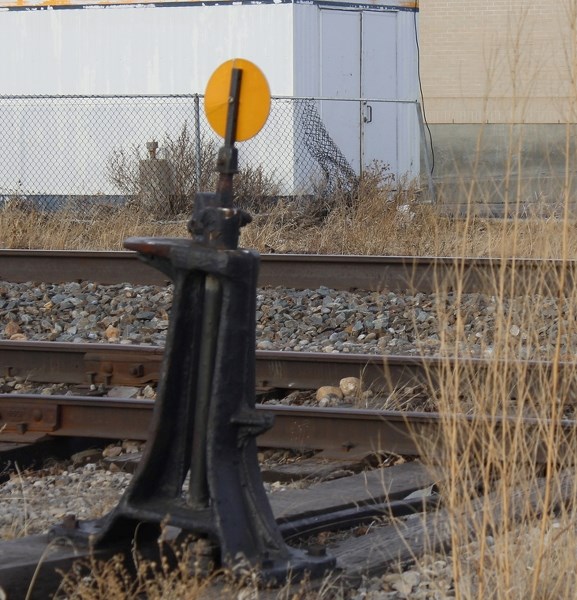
102	417
79	416
127	368
114	364
307	370
343	431
36	362
338	431
54	362
22	417
58	266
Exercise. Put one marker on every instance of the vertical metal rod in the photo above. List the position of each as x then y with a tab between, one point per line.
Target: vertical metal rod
198	158
234	101
228	165
198	492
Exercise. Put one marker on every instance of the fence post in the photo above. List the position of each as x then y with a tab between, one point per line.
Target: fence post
198	157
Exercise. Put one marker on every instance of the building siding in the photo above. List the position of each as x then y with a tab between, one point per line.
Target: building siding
499	61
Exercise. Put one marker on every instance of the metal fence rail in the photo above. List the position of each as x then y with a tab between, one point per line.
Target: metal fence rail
62	151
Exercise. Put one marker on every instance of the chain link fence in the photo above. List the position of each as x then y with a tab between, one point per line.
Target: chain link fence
67	151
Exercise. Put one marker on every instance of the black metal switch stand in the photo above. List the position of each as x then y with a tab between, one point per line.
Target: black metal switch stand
205	423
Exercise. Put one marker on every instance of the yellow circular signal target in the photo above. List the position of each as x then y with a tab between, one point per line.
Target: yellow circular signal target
254	100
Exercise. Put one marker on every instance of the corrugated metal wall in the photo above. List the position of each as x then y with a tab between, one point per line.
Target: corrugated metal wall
141	50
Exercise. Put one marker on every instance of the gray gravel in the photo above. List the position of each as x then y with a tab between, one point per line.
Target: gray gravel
322	320
32	502
87	486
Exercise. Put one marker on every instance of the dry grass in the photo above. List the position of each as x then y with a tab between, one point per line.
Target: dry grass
134	578
179	573
526	536
101	229
378	220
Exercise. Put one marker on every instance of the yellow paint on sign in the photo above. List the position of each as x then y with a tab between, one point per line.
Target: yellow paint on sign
254	101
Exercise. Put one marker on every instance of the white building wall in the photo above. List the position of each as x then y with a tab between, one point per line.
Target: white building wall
139	49
105	48
330	61
408	89
129	50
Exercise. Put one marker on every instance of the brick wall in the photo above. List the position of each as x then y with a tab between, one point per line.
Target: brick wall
499	61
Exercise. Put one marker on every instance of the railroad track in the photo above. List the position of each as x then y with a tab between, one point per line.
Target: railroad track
343	436
343	432
338	433
393	273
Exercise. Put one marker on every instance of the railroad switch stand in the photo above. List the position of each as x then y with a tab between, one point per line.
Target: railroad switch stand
204	421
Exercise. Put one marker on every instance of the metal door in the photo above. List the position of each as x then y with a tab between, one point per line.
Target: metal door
359	60
341	79
379	81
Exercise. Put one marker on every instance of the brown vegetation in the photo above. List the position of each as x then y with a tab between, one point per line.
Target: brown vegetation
379	220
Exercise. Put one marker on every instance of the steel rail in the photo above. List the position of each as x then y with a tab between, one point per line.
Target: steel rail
115	364
304	271
338	432
343	432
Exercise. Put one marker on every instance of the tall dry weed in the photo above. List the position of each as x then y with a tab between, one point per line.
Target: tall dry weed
508	486
178	572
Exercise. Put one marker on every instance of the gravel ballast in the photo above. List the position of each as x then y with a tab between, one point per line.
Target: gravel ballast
321	320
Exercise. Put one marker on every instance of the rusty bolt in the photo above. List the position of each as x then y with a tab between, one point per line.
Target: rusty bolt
137	371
